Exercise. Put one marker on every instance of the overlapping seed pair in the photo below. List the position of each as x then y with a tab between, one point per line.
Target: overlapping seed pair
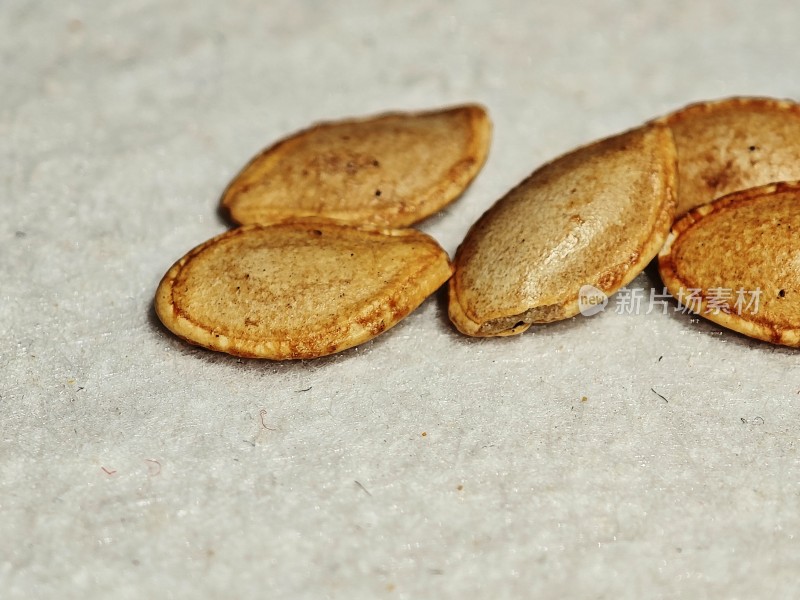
319	264
599	214
734	255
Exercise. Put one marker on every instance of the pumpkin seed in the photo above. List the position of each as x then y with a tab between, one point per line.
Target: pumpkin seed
733	144
298	289
391	170
595	216
736	262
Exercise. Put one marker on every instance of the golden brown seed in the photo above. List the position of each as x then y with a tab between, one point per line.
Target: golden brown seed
736	262
298	289
595	216
391	170
733	144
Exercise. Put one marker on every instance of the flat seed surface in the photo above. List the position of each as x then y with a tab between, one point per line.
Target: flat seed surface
595	216
298	289
736	262
391	170
733	144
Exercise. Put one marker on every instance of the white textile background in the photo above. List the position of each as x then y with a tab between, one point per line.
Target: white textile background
617	456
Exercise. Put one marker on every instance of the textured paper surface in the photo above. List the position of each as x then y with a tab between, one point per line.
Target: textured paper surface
422	464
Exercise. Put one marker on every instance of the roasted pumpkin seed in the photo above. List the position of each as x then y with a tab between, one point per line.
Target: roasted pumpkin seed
390	171
298	289
736	262
733	144
595	216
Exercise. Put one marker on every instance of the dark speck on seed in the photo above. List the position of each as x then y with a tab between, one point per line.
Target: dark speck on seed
377	192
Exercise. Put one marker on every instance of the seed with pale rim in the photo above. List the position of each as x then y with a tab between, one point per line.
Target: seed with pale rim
736	262
298	289
390	171
595	216
733	144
